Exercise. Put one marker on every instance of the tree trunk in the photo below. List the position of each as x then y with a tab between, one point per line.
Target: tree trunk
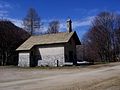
6	58
2	62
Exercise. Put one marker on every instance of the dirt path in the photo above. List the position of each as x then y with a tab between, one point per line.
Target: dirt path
104	78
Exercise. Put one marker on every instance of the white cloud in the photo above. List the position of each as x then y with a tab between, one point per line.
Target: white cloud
78	23
3	13
4	9
4	5
83	22
17	22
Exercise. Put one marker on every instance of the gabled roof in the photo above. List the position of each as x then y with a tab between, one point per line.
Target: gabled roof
47	39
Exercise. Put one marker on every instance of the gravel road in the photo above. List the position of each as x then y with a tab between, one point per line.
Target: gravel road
96	77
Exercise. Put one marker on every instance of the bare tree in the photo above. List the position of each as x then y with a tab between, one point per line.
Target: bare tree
53	27
117	38
102	37
32	21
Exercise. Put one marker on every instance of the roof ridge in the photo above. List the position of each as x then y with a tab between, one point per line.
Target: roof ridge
52	34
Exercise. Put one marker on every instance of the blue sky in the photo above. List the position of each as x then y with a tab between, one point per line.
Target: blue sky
80	11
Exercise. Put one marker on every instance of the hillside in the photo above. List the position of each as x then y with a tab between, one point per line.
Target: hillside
11	37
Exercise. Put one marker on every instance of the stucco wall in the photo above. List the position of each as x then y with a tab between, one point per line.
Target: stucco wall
24	59
50	55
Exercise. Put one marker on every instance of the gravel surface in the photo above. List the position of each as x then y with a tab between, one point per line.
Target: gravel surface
95	77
